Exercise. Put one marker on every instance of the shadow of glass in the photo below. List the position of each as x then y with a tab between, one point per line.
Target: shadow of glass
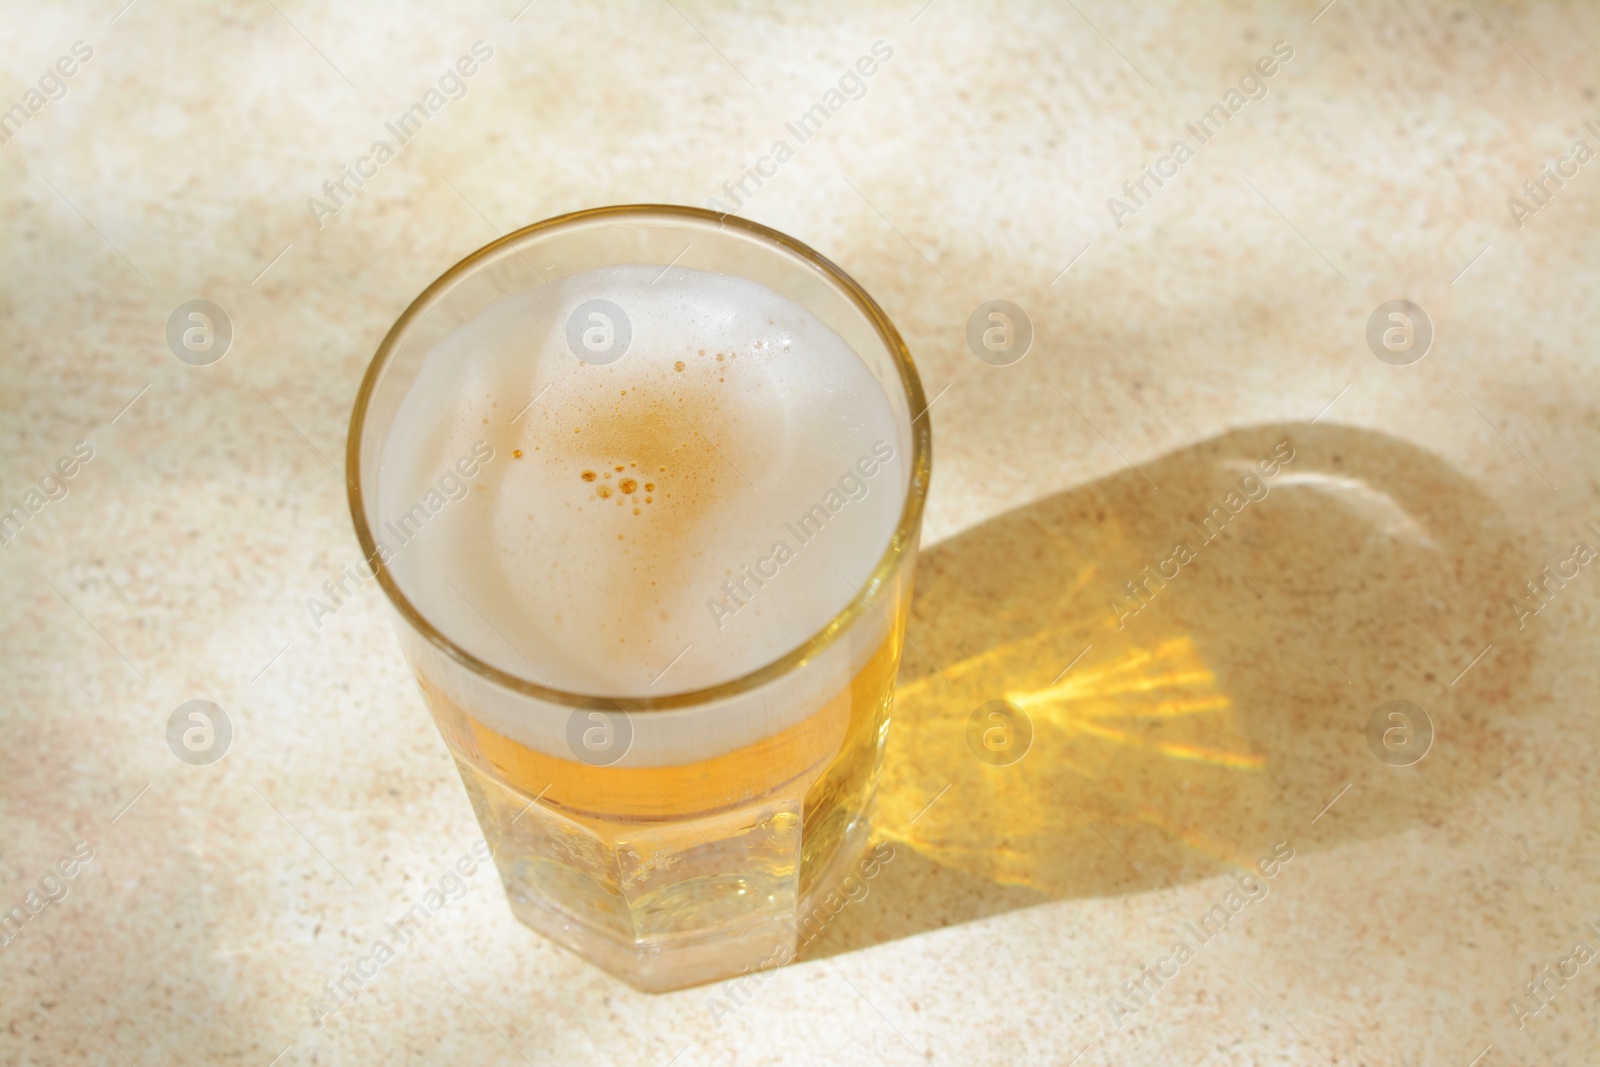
1189	706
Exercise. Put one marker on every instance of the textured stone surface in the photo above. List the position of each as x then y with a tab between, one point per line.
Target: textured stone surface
1222	316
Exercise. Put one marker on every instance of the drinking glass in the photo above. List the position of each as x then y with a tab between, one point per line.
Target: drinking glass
679	838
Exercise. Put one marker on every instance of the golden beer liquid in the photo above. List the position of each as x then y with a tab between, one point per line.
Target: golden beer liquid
597	856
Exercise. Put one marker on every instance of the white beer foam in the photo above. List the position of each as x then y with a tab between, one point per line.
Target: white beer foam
739	444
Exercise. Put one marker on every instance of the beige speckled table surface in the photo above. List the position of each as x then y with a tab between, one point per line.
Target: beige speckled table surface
1435	911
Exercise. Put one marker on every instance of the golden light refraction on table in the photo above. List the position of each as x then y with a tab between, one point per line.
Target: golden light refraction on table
1178	768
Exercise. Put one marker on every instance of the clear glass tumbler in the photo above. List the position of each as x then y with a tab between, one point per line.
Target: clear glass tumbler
619	830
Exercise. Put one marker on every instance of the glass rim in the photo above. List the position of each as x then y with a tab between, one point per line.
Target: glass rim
906	528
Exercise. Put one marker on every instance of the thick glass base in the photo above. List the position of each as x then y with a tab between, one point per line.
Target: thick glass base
664	904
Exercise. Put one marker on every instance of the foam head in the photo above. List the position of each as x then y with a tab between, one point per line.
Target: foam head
666	521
